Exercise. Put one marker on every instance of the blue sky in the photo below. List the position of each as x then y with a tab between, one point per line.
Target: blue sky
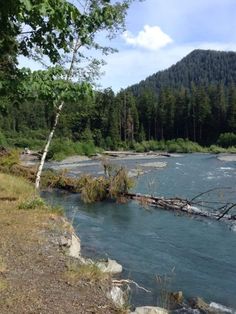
161	32
170	29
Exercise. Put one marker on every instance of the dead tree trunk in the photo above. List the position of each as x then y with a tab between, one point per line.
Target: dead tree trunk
185	206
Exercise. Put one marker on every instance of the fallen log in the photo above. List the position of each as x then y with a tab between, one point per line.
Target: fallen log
184	205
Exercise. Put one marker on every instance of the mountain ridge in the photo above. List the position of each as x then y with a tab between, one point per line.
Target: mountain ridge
201	67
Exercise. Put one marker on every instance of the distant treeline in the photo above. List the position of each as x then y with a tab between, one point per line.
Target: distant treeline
195	100
200	114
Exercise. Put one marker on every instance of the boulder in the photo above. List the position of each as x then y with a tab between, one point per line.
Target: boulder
200	304
65	242
110	266
74	249
117	295
149	310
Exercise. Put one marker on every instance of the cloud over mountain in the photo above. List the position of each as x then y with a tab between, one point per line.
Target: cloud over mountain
150	38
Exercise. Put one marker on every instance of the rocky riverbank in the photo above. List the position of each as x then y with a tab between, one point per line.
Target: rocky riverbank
39	267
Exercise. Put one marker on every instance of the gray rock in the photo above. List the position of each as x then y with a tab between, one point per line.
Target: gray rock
149	310
110	266
198	303
65	241
117	295
74	249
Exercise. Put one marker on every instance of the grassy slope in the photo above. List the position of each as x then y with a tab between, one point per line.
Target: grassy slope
35	274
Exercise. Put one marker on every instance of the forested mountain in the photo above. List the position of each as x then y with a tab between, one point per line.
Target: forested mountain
194	99
201	67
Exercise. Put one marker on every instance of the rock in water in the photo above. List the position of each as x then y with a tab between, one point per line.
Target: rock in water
198	303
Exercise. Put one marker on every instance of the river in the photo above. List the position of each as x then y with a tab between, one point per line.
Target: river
198	255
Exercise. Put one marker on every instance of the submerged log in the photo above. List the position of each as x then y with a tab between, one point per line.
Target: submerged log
183	205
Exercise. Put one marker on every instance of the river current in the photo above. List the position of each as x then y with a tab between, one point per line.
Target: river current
197	255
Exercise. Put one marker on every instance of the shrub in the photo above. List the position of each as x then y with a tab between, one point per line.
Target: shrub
183	146
227	140
139	148
217	149
3	141
34	203
88	148
61	149
9	159
120	183
94	189
115	185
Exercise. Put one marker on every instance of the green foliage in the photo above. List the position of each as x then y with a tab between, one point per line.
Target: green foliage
114	185
9	159
217	149
172	146
60	149
139	148
183	146
227	140
197	111
34	203
3	141
86	272
23	142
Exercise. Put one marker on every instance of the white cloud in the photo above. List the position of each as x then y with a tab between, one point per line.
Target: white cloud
151	38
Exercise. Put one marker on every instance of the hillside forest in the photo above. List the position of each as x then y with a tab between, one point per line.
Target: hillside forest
194	99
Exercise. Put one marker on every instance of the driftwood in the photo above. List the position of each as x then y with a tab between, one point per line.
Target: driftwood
193	207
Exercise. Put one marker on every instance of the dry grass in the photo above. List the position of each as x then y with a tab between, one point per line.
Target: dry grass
85	272
12	187
3	284
3	266
32	267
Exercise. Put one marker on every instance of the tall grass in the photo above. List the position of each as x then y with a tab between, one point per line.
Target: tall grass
115	185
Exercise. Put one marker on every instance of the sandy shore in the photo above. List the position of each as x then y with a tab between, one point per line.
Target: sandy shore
230	157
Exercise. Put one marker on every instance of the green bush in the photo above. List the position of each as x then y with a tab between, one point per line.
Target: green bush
215	149
60	149
226	140
231	149
3	141
34	203
179	145
139	148
183	146
11	158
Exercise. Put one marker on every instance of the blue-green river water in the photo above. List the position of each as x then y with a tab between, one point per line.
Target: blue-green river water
199	253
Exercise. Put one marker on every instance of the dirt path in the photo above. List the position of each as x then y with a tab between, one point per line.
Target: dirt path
35	274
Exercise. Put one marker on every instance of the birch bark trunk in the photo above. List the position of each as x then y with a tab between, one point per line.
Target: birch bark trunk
59	109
